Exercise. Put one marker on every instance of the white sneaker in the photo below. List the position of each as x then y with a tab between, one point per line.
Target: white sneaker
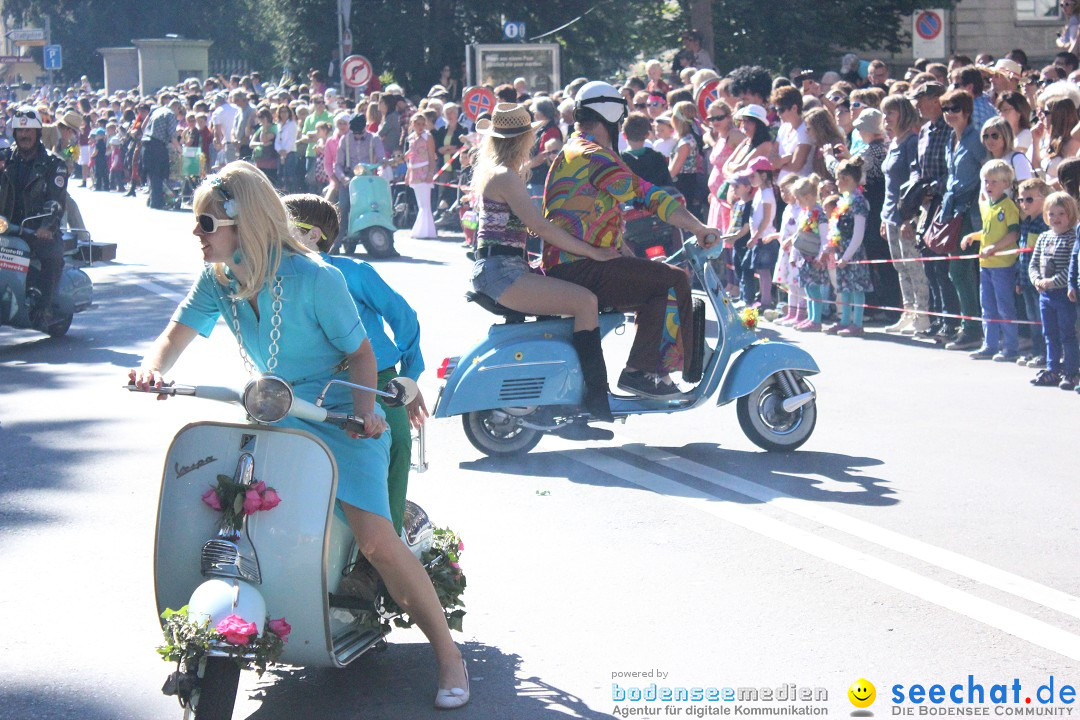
901	325
919	324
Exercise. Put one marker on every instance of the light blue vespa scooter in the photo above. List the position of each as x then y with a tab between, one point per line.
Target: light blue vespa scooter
371	213
524	378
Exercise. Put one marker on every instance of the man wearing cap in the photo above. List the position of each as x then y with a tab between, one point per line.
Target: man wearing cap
931	165
356	146
586	187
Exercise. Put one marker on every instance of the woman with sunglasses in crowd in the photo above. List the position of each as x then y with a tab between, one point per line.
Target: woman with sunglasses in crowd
258	277
722	137
964	157
1053	136
997	138
753	123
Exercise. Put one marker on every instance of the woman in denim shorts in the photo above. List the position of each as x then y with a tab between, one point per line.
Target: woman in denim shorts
504	214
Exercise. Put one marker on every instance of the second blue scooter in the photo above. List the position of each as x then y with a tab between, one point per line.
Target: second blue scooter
524	379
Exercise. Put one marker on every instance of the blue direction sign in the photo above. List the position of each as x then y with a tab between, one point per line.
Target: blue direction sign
53	58
514	30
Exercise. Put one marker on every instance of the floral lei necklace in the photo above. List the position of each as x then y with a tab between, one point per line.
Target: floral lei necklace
812	220
845	203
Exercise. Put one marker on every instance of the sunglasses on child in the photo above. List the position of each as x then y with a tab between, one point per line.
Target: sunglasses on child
210	224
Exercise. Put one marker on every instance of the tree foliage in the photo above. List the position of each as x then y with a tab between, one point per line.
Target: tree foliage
784	34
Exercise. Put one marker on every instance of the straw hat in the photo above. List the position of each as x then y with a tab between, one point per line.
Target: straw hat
71	120
508	121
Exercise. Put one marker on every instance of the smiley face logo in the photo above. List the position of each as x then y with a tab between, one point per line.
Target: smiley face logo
862	693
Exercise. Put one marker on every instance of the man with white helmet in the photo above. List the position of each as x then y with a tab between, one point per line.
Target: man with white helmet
35	183
585	188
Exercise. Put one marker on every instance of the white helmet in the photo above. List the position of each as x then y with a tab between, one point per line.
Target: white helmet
26	118
603	99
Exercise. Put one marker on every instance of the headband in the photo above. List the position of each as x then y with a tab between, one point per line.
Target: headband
218	183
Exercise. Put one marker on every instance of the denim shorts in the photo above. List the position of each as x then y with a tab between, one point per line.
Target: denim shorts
493	275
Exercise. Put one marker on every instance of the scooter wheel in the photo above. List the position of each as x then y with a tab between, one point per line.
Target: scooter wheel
60	327
764	420
217	689
379	242
495	433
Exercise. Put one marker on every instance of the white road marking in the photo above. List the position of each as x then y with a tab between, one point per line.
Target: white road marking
933	555
1010	621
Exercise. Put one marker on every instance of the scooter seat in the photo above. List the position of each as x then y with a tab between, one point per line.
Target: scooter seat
489	303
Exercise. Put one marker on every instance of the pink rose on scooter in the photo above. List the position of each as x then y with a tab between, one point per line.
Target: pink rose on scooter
236	630
253	502
280	628
270	499
210	497
260	487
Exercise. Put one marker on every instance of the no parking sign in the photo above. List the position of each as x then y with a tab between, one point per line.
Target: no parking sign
476	101
928	34
707	94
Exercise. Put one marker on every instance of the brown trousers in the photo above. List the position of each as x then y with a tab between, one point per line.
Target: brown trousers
641	286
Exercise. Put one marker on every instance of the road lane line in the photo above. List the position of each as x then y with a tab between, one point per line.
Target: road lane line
1010	621
946	559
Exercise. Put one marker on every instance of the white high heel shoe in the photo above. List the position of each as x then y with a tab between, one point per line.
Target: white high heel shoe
453	697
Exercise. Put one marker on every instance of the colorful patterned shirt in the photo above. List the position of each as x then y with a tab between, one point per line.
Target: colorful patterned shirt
585	188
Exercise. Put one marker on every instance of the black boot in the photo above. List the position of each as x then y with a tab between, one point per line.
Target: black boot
587	346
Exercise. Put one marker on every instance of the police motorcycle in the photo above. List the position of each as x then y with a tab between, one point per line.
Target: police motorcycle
20	277
298	560
524	380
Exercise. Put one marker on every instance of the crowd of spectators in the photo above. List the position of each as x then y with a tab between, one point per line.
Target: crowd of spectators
852	195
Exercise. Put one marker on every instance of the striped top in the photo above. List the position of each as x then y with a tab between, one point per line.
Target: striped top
585	188
1050	258
498	225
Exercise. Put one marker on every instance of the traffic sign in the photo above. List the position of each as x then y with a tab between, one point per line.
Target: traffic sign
707	94
477	101
27	35
53	58
356	71
928	33
514	30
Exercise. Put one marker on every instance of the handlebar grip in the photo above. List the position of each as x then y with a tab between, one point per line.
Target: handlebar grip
169	389
354	425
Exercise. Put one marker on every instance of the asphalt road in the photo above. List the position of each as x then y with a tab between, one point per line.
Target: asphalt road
925	533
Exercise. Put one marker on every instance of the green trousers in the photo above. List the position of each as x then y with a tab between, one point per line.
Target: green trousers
397	480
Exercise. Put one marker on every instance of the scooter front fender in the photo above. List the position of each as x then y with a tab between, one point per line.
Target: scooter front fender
757	363
516	365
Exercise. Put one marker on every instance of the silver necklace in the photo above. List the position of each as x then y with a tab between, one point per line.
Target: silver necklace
275	331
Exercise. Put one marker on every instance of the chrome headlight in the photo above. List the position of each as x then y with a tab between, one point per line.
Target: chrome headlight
268	399
4	224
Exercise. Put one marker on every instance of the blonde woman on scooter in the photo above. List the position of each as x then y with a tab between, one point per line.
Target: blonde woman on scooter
292	316
505	214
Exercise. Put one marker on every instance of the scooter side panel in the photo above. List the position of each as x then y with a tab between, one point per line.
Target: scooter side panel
292	539
14	268
755	364
76	292
517	365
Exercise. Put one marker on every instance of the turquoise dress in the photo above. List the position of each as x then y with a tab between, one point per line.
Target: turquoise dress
319	328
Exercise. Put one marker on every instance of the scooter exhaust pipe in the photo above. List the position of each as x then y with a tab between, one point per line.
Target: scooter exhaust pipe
792	404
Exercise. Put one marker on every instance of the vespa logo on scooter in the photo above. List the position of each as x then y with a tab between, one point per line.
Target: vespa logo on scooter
182	470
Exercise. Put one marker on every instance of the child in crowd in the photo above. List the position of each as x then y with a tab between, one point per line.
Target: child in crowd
1049	274
316	221
828	203
100	160
735	237
643	161
1000	231
787	270
1031	194
116	162
763	253
813	268
847	229
664	142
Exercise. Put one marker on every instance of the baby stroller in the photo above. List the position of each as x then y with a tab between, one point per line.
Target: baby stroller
191	171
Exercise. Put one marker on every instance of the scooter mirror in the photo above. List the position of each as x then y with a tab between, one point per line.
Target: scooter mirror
404	390
268	399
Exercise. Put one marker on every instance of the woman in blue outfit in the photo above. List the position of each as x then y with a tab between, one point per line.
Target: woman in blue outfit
293	316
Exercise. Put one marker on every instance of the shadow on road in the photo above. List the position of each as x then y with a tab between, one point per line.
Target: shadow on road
808	475
51	701
400	683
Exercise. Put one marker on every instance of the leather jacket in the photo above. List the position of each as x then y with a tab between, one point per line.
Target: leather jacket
33	186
